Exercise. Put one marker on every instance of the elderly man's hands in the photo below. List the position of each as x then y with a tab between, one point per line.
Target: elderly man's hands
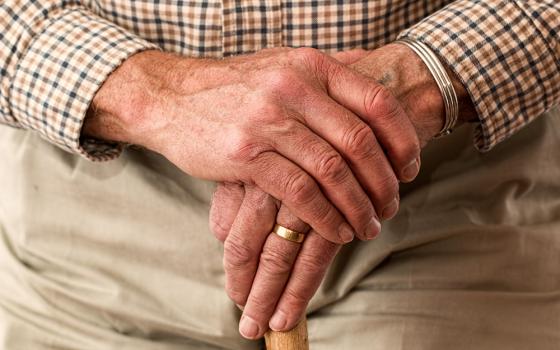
265	273
294	122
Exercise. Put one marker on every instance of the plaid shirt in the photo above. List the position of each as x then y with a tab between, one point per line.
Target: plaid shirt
55	54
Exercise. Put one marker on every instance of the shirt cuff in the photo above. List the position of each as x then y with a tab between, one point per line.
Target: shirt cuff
60	72
500	56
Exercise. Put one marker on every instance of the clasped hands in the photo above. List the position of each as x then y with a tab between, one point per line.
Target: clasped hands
374	147
315	143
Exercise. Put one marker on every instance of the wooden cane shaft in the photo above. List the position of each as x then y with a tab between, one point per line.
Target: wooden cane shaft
296	339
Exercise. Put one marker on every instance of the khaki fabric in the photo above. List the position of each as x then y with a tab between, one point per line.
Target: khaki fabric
118	255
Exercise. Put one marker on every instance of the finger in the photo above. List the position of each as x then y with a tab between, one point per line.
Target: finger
377	106
226	201
300	193
289	220
356	142
372	102
243	245
350	56
277	258
313	260
319	159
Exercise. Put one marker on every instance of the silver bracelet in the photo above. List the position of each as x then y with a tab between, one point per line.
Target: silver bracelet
450	101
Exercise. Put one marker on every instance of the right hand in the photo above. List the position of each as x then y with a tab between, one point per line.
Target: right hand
294	122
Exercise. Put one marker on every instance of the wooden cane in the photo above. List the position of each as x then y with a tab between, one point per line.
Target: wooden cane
296	339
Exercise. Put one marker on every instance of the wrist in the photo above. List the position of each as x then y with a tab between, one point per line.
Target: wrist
123	108
408	78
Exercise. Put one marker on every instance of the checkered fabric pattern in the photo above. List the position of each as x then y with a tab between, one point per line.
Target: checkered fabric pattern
507	54
55	54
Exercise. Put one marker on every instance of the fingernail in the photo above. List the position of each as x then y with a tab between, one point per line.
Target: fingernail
248	327
278	321
345	233
373	228
411	170
390	210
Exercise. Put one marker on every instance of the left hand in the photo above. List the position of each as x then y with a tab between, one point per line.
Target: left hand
272	278
258	265
266	274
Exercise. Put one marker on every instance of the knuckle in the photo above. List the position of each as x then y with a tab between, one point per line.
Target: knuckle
371	98
287	129
377	154
359	142
297	299
283	80
314	263
287	219
316	60
332	168
235	292
300	188
237	297
308	54
334	71
259	304
244	148
276	262
409	150
327	216
237	255
379	101
260	204
218	230
388	189
264	107
228	190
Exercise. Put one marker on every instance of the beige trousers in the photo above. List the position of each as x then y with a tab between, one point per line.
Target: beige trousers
118	255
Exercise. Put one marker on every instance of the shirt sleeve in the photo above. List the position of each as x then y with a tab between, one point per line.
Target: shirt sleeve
54	56
507	55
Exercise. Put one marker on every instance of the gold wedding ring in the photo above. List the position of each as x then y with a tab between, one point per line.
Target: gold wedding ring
287	234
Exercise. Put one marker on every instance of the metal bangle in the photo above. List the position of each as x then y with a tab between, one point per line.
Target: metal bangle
444	83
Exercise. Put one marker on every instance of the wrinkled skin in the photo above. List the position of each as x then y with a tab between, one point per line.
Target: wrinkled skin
274	279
